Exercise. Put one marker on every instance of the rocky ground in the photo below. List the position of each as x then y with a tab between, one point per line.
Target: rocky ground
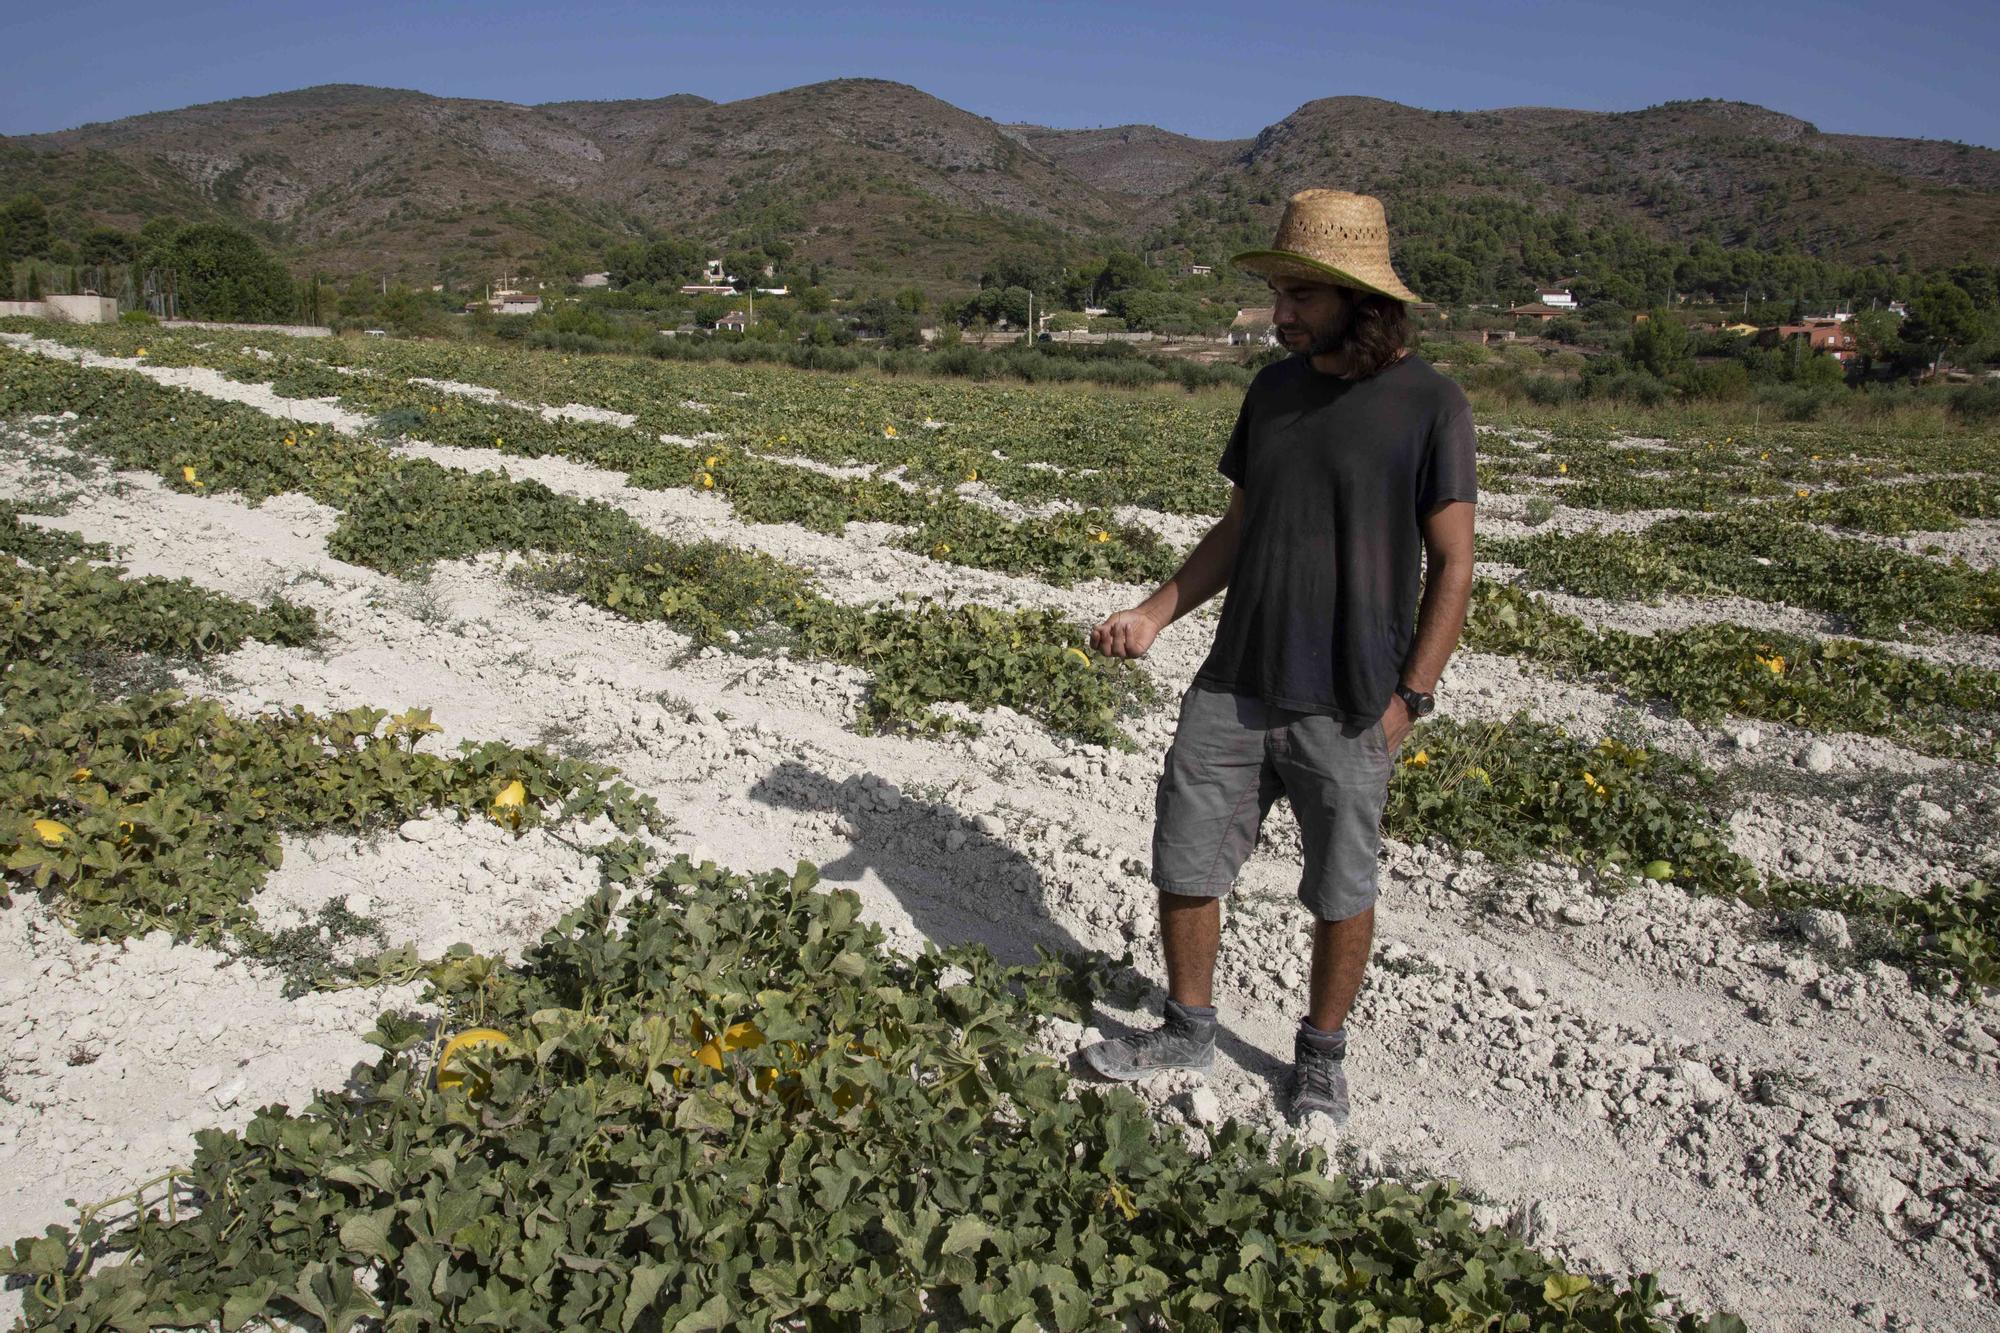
1639	1080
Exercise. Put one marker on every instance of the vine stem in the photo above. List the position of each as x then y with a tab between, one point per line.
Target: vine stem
136	1195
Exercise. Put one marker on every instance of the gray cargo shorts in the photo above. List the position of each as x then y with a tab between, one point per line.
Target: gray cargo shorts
1232	756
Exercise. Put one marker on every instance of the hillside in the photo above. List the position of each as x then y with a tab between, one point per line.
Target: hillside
874	177
1141	162
1734	173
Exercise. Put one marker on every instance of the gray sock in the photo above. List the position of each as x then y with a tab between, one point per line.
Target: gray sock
1197	1015
1333	1044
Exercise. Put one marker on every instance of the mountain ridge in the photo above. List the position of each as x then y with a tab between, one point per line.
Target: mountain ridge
877	176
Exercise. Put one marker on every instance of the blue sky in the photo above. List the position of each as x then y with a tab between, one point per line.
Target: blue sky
1208	69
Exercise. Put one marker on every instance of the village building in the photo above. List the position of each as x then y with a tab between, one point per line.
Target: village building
506	301
714	282
1558	297
1253	325
1828	335
733	322
1537	310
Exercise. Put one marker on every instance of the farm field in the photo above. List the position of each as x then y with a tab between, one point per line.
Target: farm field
1686	960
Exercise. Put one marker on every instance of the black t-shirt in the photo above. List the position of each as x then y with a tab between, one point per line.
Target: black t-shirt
1337	476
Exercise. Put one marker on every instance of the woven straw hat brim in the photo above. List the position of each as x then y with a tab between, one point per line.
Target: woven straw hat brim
1287	264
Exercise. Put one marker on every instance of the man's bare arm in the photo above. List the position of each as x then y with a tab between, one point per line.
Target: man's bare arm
1447	593
1203	574
1441	614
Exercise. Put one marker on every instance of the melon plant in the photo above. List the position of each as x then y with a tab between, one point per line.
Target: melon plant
889	1152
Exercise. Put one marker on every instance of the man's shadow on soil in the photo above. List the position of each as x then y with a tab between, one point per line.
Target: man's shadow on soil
984	879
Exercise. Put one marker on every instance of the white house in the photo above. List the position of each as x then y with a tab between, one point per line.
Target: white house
1558	297
733	322
1253	325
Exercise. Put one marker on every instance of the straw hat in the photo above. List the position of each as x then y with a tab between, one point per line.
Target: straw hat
1331	236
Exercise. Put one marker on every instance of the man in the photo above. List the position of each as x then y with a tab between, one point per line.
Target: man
1352	465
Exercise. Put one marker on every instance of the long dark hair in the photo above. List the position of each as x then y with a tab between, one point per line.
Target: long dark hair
1378	329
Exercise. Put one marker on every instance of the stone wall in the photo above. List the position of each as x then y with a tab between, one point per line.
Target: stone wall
65	309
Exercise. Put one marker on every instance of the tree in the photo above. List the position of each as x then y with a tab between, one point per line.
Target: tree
24	228
108	245
746	266
407	311
663	263
1025	271
559	263
1942	317
220	273
1445	279
1121	270
1878	334
1014	302
1660	345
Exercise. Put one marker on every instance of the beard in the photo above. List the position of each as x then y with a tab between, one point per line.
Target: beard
1330	338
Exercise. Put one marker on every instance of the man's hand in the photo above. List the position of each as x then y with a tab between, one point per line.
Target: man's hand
1126	634
1396	723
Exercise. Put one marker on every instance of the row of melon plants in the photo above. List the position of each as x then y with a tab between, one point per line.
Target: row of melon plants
1710	671
398	514
136	810
1039	445
1705	671
1775	556
1513	790
1104	446
1879	590
745	469
675	1114
709	586
716	1030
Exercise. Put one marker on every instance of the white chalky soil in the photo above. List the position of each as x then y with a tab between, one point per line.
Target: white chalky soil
1637	1080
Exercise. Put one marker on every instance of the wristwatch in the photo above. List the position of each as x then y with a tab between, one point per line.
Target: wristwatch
1420	705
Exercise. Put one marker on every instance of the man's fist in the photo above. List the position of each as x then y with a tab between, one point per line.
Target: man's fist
1126	634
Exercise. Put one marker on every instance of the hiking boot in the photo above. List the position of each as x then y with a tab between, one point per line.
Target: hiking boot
1319	1074
1186	1040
